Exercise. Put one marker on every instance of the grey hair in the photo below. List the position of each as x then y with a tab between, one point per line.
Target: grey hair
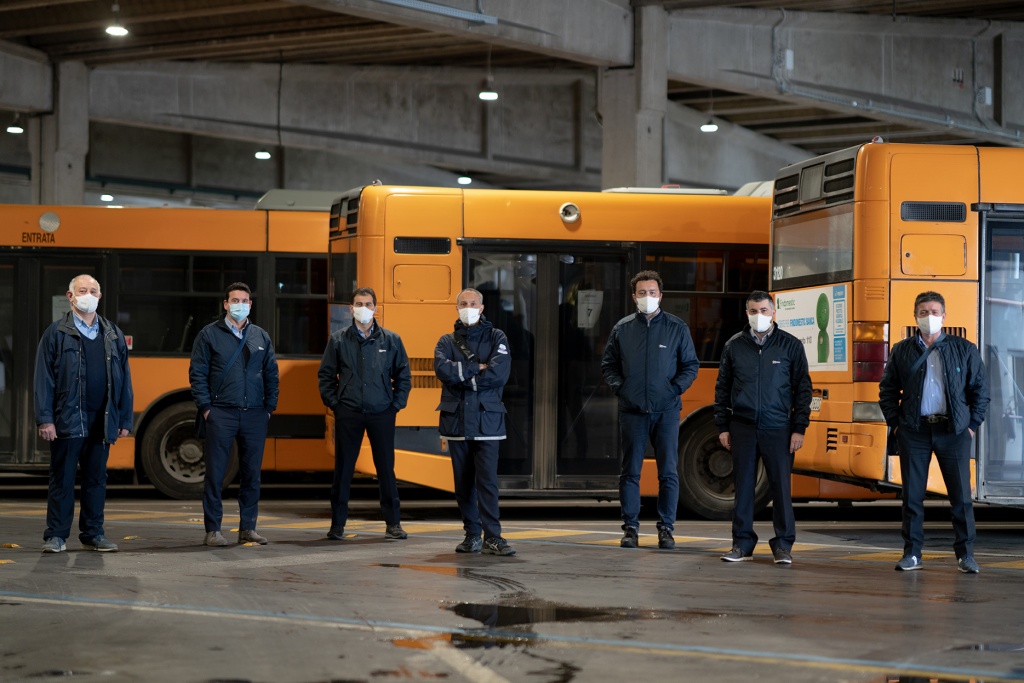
71	285
474	291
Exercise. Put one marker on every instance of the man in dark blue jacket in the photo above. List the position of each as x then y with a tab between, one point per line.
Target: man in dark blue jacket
83	403
365	380
934	394
473	364
649	362
762	409
234	381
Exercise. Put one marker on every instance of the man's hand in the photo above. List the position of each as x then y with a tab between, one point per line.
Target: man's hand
726	440
206	414
795	442
971	431
483	366
122	433
47	432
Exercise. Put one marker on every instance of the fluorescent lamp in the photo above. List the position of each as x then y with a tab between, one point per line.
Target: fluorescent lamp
115	28
106	197
15	129
262	155
464	180
488	95
709	127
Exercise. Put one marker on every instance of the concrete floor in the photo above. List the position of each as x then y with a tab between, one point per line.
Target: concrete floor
571	606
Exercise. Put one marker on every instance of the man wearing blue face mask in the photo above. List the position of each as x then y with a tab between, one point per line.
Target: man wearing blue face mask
934	393
649	362
234	381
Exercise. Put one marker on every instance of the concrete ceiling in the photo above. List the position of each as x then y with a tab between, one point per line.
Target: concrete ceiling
295	32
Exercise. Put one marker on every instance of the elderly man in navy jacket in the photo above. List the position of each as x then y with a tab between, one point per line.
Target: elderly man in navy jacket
473	364
649	362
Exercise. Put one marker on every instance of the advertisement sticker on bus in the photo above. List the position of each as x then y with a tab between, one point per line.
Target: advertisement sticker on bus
817	317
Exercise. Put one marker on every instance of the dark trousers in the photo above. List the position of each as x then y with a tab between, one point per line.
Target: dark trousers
65	457
772	447
349	427
475	466
662	430
223	427
953	453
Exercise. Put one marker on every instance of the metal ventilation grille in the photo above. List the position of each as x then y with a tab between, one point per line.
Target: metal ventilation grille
934	212
423	245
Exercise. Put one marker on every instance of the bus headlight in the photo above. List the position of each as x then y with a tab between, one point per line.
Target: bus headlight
867	412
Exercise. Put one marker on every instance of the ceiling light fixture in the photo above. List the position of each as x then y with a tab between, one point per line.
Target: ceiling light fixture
710	126
116	29
262	155
464	180
15	128
488	94
106	197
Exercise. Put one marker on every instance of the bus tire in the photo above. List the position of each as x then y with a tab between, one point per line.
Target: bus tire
706	486
172	456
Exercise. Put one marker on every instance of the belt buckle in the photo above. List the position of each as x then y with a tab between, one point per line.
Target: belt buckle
934	419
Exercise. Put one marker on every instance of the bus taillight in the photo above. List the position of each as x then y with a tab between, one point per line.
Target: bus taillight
870	350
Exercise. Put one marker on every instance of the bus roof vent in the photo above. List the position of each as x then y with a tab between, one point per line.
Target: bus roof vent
345	214
934	212
785	198
423	245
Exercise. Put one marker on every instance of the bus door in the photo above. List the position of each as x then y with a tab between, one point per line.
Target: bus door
32	295
1000	461
557	309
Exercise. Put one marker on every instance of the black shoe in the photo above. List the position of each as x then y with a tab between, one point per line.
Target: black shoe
967	565
396	533
665	540
336	533
782	556
498	546
737	555
472	544
629	538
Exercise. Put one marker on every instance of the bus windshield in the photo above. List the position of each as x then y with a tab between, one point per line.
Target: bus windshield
813	250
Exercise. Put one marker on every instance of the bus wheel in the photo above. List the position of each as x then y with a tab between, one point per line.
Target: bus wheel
705	474
172	456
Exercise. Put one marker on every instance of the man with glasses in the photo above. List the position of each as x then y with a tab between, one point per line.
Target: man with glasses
365	380
234	381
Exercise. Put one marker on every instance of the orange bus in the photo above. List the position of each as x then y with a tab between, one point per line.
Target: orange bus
856	235
554	270
163	272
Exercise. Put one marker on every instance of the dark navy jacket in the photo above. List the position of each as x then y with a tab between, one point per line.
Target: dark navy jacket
366	375
966	385
766	385
60	380
252	380
471	407
649	363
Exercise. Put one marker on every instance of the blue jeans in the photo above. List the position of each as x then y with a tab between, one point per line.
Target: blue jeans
349	427
953	453
662	429
223	426
475	466
65	457
772	446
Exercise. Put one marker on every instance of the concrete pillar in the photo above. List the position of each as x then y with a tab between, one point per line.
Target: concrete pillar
633	103
60	141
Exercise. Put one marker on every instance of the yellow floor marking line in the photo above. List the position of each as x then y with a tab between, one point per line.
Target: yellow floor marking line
1018	564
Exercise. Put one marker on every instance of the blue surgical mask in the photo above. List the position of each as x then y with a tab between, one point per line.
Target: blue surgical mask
239	312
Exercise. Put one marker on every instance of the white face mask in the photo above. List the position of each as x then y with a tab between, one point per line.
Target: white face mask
363	315
648	304
469	316
86	303
238	312
930	324
759	322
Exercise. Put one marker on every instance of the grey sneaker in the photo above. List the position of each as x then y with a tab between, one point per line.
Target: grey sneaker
782	556
665	540
498	546
737	555
336	533
396	533
100	544
215	538
54	544
967	565
471	544
250	536
908	563
629	538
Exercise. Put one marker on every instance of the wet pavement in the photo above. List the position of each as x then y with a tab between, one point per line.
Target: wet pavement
570	606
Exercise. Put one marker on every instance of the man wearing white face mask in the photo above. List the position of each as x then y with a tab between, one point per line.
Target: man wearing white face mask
234	378
83	403
934	395
762	409
649	361
473	364
365	380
